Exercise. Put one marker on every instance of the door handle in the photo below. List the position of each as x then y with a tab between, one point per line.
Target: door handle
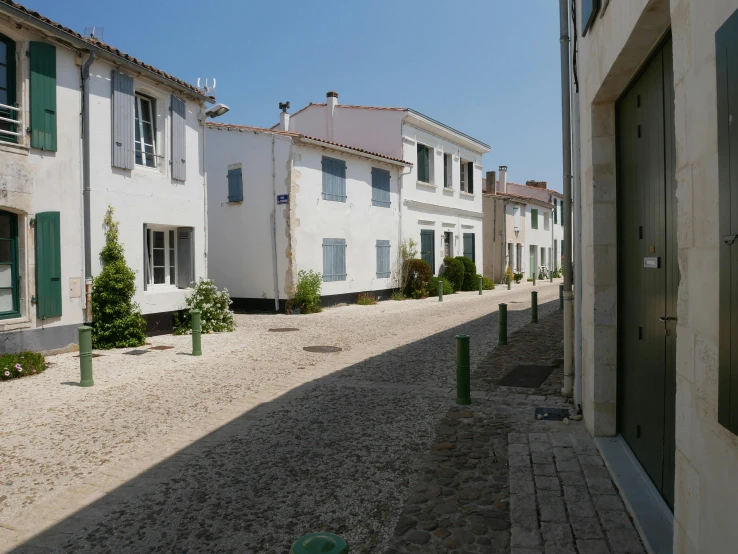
665	318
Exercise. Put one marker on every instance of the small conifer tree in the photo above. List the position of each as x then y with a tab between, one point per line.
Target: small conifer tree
117	318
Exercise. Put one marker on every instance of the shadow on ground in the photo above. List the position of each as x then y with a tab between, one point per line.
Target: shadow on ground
339	453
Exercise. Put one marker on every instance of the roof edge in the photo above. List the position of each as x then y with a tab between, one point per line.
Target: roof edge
449	129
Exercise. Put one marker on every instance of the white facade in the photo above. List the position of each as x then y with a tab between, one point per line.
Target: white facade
241	250
48	179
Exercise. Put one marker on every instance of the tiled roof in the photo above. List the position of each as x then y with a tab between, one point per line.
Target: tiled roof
101	45
233	127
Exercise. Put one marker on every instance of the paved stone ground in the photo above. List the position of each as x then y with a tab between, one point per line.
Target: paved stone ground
498	480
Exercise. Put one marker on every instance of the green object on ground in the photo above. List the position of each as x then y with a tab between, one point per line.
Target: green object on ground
502	311
508	283
85	356
320	543
480	286
463	385
440	291
534	306
561	298
196	333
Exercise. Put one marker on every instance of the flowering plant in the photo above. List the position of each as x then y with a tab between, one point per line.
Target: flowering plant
215	316
21	364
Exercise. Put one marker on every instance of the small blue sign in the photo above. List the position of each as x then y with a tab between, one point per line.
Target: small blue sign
283	198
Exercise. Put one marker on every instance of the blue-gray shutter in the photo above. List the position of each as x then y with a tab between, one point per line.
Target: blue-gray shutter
428	248
383	259
235	185
470	177
334	260
334	179
380	187
179	131
469	246
146	256
185	256
122	102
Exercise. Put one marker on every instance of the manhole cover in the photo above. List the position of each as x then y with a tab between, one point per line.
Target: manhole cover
527	376
552	414
283	330
322	349
161	347
514	302
136	352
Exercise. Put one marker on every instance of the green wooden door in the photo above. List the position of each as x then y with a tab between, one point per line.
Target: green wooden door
48	265
9	301
428	248
648	274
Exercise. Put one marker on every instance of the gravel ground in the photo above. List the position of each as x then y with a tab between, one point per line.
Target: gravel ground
302	441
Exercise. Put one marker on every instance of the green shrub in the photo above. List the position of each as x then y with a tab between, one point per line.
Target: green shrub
433	286
518	277
509	275
470	272
366	300
556	273
487	284
453	272
307	295
418	275
397	295
215	317
23	364
118	322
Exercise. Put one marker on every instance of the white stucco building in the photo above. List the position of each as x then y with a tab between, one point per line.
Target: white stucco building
85	127
280	202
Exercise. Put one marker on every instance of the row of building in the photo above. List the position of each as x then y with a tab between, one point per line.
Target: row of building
332	188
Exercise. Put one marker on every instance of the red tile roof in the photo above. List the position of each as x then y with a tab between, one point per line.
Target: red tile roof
101	45
233	127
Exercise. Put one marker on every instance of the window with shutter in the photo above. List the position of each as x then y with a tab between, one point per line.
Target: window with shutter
470	177
534	219
9	301
726	40
428	248
179	132
555	211
380	188
561	210
122	106
48	265
334	260
9	130
469	246
424	161
43	96
334	179
383	259
235	183
186	256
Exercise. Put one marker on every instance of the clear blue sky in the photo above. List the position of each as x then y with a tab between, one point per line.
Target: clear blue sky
489	68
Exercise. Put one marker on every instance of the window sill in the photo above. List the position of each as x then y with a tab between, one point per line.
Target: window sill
15	323
234	202
156	289
466	194
14	148
427	185
449	191
147	169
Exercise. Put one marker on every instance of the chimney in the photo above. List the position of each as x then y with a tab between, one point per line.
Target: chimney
536	184
502	185
331	103
491	181
284	117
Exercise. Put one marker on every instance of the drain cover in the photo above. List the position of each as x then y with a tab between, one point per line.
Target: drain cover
161	347
552	414
322	349
283	330
528	376
136	352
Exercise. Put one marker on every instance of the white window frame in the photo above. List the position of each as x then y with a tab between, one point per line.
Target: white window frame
140	128
170	271
463	175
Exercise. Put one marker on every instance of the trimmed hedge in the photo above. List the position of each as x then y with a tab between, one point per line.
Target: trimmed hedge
453	272
433	286
419	274
487	284
470	273
22	364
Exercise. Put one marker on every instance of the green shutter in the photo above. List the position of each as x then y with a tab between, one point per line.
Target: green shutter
534	219
48	265
561	208
428	248
43	96
556	211
423	164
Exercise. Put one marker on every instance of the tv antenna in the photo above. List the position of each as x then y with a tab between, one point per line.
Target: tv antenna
208	89
98	33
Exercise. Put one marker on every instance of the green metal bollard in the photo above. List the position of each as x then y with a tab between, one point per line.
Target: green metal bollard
320	543
440	290
561	298
535	276
551	276
196	333
534	306
508	283
502	311
85	356
463	385
480	286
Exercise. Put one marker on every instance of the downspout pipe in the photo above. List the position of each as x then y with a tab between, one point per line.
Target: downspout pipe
578	249
86	187
567	181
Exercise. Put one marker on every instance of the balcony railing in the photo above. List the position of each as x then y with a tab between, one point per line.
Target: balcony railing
8	132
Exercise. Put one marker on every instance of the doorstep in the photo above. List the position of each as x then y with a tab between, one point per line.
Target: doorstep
651	515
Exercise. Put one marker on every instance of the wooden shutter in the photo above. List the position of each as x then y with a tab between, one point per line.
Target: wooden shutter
556	211
185	256
43	96
534	219
179	131
383	259
122	105
380	187
470	177
48	265
235	185
428	248
561	209
469	246
334	260
423	168
334	179
146	256
726	40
